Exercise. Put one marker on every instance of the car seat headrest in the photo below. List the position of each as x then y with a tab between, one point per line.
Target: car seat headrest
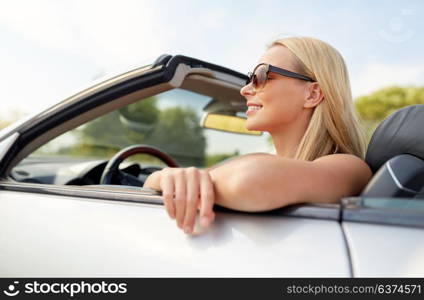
400	133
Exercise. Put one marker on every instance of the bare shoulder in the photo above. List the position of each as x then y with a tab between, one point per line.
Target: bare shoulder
343	163
346	174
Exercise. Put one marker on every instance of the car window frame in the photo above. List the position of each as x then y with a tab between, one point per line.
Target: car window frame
384	211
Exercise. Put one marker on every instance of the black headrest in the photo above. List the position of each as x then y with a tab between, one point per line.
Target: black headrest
400	133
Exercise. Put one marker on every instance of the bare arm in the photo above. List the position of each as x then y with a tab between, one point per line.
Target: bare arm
264	182
257	182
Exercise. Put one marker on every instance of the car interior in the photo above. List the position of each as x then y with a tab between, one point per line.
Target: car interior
396	156
218	100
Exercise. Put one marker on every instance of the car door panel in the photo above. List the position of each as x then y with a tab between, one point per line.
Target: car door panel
385	250
53	236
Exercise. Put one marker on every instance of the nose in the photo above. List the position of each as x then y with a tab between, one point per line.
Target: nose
247	90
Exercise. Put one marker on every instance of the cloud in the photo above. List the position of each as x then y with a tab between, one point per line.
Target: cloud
376	76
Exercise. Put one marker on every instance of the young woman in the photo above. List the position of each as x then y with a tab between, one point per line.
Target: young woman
300	93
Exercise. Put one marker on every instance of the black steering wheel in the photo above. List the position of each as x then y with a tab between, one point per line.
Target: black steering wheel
112	168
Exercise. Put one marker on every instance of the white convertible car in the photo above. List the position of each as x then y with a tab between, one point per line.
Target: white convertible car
71	203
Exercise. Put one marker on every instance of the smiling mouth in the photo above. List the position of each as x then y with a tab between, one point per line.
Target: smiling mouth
253	108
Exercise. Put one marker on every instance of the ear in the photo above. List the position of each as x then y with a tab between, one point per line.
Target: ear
314	95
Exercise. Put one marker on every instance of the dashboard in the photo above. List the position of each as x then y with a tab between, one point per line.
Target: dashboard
73	171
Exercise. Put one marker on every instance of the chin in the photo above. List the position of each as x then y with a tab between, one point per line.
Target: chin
254	126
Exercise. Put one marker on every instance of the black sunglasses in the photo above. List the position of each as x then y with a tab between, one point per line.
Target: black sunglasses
259	75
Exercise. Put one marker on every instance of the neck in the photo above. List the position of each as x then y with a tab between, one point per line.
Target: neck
286	140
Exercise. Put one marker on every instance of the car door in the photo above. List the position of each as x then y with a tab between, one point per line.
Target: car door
384	236
55	222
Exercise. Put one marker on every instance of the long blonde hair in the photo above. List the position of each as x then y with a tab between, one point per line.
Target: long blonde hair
334	126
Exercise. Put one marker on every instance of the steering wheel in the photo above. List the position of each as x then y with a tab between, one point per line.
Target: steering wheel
112	168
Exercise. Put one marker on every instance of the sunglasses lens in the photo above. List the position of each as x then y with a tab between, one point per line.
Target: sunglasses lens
260	77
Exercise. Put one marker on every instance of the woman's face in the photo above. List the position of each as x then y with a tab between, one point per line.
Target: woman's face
281	100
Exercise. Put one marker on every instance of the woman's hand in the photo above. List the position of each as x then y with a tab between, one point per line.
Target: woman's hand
185	190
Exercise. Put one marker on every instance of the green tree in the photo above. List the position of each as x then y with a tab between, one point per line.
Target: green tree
175	130
108	134
380	104
178	133
373	108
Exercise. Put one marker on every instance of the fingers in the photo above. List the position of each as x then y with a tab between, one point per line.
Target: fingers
168	188
180	196
192	199
185	190
207	199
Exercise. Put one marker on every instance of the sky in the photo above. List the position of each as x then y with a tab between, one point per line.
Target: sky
50	49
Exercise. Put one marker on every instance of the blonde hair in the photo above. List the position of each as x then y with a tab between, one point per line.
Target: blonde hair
334	126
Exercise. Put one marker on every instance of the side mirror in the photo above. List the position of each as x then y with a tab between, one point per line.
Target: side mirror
226	123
